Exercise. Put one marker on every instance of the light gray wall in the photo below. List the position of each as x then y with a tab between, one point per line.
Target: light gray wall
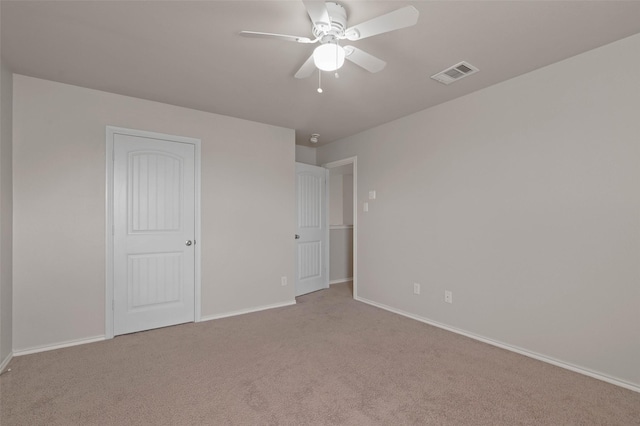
347	199
59	207
523	200
335	199
341	195
305	154
6	212
340	254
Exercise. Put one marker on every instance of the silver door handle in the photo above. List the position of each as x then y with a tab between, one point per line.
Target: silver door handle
188	243
297	237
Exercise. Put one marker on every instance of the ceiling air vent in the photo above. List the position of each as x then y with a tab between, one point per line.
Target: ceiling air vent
455	73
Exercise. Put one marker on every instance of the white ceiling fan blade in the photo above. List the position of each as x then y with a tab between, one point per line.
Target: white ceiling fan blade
278	36
364	59
400	18
306	69
318	13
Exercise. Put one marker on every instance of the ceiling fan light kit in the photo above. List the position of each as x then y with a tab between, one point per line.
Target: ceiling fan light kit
329	27
329	57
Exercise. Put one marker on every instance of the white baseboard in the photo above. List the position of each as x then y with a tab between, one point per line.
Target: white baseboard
525	352
5	362
246	311
340	280
69	343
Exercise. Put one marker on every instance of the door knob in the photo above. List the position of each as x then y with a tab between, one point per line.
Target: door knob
297	237
188	243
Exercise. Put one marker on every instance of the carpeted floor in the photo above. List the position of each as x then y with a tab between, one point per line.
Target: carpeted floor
326	360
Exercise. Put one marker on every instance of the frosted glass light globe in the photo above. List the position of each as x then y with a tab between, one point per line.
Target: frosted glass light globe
328	57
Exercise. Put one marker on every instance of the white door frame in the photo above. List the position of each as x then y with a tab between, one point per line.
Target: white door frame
111	131
339	163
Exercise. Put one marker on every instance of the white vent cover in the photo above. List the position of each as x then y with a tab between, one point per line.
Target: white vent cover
455	73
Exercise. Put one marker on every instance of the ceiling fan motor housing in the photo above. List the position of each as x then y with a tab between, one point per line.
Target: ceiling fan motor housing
338	17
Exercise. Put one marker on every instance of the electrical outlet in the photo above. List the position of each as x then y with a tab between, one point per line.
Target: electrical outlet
448	296
283	281
365	207
416	288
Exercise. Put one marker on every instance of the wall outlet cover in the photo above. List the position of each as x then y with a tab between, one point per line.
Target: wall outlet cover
448	296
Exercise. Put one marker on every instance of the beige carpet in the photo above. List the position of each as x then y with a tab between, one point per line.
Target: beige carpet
326	360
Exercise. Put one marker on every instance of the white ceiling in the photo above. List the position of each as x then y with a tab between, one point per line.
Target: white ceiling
190	54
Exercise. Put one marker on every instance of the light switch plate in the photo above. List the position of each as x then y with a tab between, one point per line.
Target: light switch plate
372	194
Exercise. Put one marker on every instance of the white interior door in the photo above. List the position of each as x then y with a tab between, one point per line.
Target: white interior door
311	233
153	233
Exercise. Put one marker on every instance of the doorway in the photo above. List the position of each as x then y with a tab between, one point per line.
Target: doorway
153	215
343	227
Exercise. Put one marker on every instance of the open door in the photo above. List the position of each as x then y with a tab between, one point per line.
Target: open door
311	231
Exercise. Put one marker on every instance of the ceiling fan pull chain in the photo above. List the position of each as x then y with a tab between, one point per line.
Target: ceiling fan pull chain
319	81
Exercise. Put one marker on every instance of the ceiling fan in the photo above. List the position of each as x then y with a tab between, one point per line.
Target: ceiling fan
329	28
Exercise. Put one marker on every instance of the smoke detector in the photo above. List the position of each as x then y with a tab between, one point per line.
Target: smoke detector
455	73
314	138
